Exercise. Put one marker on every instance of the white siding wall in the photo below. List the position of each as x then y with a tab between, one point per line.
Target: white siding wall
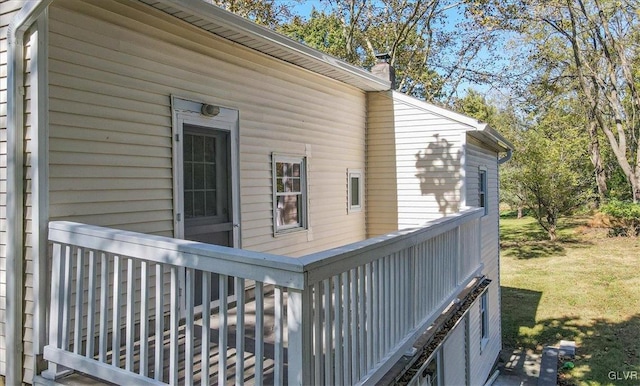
113	68
481	358
478	156
7	11
414	159
381	174
455	359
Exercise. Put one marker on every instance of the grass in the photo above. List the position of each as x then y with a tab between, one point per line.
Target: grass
583	287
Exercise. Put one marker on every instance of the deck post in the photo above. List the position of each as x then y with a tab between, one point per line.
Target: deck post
300	336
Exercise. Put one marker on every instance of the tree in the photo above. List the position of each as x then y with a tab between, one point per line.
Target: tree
504	120
270	13
322	31
595	44
431	56
549	165
547	171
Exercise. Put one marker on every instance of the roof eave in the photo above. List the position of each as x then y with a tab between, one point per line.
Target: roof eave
494	136
265	40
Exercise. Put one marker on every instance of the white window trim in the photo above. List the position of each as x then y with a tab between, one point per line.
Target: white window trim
484	320
304	220
483	180
355	173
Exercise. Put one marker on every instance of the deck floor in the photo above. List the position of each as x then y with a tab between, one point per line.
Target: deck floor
249	351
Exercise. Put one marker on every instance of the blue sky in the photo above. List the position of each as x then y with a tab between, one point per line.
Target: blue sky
453	17
307	5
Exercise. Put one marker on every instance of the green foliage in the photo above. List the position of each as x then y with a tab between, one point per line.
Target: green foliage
270	13
430	57
585	49
322	31
624	217
475	105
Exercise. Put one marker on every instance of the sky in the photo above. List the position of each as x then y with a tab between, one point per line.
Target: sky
304	7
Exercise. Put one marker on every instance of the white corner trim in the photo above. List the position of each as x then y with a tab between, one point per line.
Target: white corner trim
40	186
24	19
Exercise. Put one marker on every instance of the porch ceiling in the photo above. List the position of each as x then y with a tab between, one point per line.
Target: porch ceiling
244	32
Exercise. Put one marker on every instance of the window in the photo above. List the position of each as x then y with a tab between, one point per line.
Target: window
355	190
484	321
482	189
289	193
200	164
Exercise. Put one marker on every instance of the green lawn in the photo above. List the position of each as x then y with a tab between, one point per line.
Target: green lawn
584	287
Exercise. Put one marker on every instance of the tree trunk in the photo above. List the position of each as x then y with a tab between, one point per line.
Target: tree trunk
519	211
596	159
552	220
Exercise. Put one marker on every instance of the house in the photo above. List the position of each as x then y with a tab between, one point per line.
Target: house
187	196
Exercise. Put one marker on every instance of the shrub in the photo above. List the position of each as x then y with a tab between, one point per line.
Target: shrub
624	217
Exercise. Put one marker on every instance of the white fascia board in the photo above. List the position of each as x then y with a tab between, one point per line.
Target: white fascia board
362	78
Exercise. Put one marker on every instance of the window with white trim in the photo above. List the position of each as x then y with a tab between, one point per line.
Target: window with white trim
484	321
482	189
289	193
355	187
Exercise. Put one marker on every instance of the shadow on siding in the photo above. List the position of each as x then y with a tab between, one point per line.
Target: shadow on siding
438	173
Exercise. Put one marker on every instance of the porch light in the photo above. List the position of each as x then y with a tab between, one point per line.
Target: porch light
209	110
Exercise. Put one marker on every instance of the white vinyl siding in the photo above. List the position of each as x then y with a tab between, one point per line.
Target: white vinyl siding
413	163
454	352
9	8
482	356
111	78
381	192
8	11
479	158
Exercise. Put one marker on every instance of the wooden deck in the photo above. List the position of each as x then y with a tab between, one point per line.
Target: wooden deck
341	316
248	356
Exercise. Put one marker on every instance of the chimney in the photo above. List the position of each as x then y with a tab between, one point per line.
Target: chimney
384	70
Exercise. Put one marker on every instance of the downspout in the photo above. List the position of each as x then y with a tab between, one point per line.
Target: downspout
506	157
15	186
502	141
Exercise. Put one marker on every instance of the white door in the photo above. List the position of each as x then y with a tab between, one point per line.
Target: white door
206	180
206	186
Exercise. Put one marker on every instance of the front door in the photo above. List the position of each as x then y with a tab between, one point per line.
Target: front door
206	181
206	188
207	194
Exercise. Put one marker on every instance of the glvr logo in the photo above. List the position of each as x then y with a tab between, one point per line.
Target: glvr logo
623	375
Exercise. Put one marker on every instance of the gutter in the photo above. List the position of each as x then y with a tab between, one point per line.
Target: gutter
27	15
500	140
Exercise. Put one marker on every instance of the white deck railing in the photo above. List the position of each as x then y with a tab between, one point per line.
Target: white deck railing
342	316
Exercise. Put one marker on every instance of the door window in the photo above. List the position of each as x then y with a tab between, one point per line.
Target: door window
200	176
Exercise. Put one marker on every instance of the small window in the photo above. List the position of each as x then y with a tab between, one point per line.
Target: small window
484	321
289	193
355	190
482	189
